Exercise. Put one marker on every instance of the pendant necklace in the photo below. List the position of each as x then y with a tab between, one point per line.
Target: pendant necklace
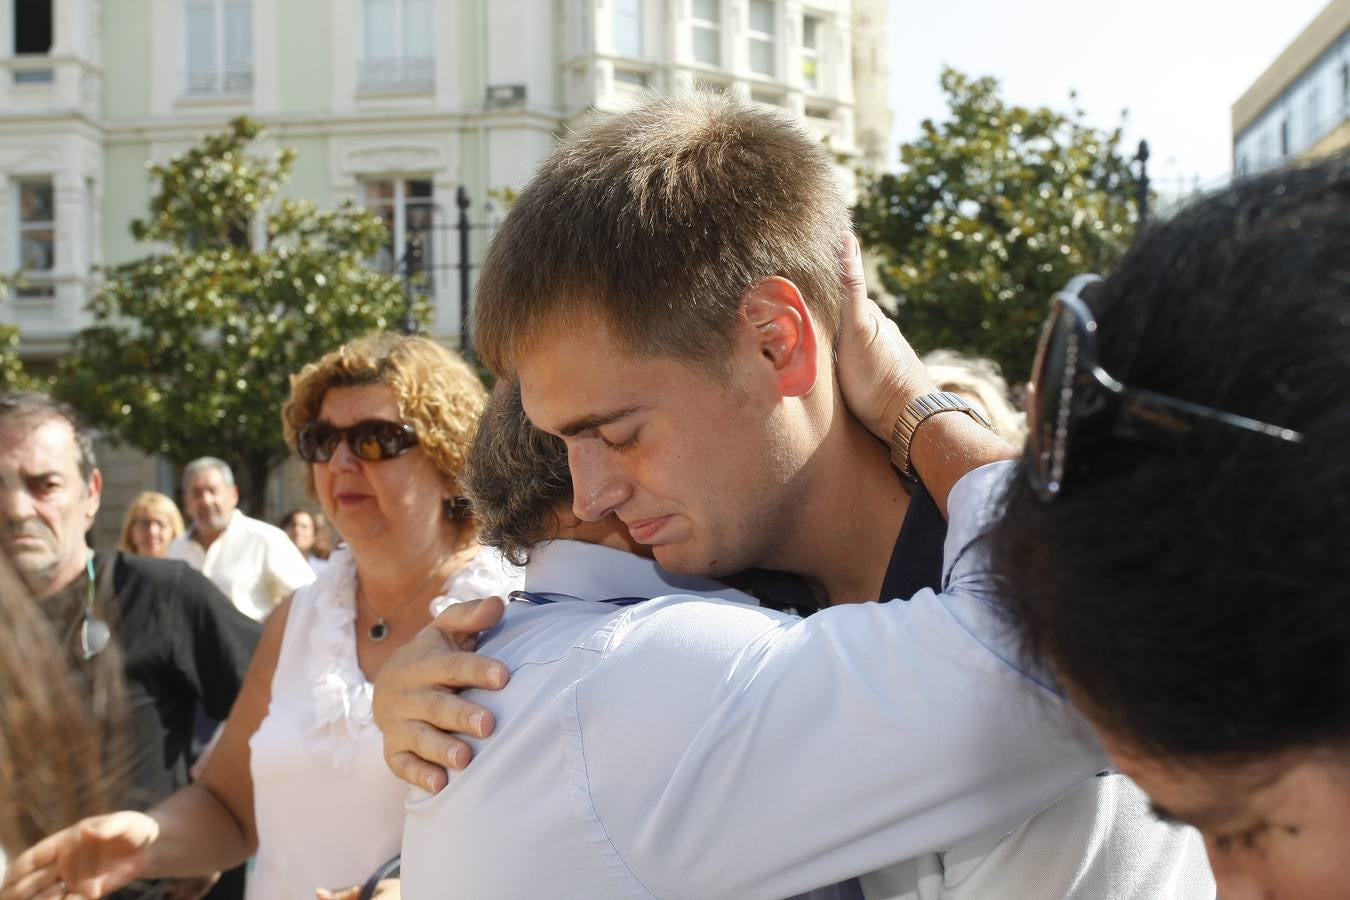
380	630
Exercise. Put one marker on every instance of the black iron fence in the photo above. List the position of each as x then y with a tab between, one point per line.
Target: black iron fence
427	261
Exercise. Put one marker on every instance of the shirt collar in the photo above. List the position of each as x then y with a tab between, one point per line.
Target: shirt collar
596	572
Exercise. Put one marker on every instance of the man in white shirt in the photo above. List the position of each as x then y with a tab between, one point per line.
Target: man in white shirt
686	359
252	562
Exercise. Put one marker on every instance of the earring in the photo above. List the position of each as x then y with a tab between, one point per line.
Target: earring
458	508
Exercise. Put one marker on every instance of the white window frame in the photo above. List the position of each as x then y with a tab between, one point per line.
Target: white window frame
401	201
22	227
633	13
401	71
812	58
762	38
706	26
222	77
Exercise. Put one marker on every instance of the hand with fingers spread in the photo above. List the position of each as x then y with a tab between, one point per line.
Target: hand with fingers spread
416	702
91	858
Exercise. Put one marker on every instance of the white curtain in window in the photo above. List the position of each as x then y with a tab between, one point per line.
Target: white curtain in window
200	19
238	35
380	37
762	37
706	35
627	27
417	29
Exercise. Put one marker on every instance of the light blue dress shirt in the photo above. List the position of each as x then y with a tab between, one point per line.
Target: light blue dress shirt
688	747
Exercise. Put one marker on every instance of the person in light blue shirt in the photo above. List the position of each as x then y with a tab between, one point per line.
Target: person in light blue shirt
679	338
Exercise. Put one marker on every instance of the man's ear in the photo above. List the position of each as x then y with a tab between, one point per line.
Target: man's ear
783	332
93	491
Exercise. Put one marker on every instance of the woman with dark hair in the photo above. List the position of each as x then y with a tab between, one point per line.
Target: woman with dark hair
1174	546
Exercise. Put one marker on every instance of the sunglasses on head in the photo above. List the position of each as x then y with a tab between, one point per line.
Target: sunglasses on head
370	440
1069	387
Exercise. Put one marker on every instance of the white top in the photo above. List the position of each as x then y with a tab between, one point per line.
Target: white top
328	811
253	563
687	747
1100	840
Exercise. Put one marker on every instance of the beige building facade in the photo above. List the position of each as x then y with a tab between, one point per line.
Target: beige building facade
1300	106
403	106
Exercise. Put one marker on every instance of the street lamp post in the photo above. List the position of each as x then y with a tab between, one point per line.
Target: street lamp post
462	201
412	263
1141	183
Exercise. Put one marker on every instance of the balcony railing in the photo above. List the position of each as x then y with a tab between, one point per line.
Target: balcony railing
233	79
397	74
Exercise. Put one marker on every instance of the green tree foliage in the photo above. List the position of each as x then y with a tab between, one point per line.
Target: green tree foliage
192	345
994	209
13	377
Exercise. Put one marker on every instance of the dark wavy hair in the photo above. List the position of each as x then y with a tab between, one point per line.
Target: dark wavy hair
516	478
1195	594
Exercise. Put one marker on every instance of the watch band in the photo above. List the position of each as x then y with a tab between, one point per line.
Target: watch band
917	411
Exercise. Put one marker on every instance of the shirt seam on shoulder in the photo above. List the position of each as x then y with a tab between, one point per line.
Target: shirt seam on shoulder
576	744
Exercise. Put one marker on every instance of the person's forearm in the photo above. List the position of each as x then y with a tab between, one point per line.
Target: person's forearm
948	446
198	835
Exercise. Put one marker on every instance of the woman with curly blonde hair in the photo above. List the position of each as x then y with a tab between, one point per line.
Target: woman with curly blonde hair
151	523
298	777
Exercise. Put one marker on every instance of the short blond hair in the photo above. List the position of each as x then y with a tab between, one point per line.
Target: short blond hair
437	393
659	220
980	380
155	502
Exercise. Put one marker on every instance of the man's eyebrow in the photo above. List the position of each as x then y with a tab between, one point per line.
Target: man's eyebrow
595	420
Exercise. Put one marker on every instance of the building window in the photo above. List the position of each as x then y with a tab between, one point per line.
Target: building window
1284	138
1345	85
582	21
407	208
627	28
763	18
630	76
1312	117
811	34
219	46
32	26
33	37
37	227
706	31
398	45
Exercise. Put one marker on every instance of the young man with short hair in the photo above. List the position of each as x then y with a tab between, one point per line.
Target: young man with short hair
667	292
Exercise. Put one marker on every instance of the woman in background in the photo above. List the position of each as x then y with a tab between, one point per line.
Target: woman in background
298	777
300	526
150	525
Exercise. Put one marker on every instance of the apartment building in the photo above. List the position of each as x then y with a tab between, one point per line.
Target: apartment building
1300	106
415	108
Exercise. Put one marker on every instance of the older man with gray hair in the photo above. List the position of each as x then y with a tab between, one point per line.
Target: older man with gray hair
254	563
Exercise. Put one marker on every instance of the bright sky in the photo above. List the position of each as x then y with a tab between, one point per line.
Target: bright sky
1177	65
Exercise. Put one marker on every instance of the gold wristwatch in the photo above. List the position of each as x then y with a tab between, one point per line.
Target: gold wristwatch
915	413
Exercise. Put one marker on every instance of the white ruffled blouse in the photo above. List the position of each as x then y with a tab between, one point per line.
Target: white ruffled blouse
328	811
